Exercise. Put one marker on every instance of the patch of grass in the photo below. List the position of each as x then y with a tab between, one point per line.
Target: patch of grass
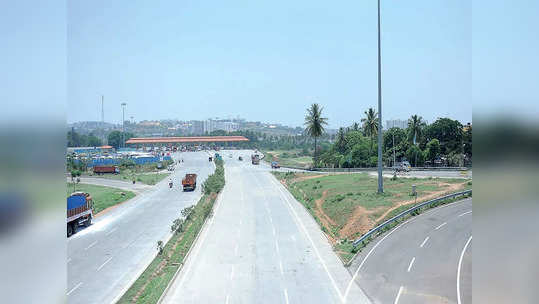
103	197
290	158
155	278
346	192
147	174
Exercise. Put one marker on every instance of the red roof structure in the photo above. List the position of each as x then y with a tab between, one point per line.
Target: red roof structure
168	140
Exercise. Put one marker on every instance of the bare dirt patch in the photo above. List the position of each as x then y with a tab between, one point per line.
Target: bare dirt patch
359	222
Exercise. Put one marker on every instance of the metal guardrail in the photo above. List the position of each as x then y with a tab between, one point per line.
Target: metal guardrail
407	212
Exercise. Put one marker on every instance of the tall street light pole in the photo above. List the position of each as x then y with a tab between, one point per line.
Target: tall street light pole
123	124
380	177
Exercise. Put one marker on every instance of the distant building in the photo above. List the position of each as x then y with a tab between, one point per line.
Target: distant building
396	123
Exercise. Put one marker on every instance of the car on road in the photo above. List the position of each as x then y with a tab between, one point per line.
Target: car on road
403	167
240	158
275	165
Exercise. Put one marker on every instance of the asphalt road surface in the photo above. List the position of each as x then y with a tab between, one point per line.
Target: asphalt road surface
428	259
105	258
260	246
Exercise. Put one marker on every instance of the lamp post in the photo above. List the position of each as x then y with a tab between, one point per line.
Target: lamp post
380	177
123	123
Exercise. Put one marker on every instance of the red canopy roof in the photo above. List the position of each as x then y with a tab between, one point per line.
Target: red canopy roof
156	140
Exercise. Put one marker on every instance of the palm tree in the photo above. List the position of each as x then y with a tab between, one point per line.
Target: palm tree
370	124
355	126
314	124
341	140
415	128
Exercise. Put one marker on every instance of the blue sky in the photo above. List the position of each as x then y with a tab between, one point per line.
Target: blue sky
269	60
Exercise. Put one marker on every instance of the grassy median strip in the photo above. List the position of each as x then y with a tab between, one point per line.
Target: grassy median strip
293	158
103	197
153	281
347	206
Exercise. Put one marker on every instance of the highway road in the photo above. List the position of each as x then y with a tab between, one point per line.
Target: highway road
260	246
105	258
428	259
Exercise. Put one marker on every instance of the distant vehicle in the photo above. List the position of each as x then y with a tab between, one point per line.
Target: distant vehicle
240	158
79	211
217	156
210	159
403	167
106	169
189	182
255	159
159	165
275	165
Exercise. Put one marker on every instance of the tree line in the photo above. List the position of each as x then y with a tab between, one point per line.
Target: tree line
445	142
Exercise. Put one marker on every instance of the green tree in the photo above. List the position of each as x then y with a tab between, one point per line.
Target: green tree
415	156
449	134
416	125
433	149
370	124
115	138
73	139
314	125
340	142
93	141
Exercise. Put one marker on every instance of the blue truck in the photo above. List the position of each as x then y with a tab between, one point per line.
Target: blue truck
79	211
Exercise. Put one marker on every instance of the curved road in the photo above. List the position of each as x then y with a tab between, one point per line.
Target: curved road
105	258
428	259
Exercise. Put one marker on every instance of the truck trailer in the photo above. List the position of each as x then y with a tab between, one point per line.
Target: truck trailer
106	169
255	159
189	182
79	211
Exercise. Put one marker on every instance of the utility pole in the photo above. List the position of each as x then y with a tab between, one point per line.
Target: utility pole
123	124
380	177
103	109
393	149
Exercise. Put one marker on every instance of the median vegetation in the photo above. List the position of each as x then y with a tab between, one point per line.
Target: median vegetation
347	205
149	287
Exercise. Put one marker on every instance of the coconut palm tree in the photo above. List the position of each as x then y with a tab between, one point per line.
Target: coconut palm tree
314	124
370	124
415	128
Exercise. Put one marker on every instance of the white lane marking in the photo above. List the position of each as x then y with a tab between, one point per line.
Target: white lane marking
281	267
424	242
232	273
111	231
277	246
298	220
91	245
74	288
236	250
411	263
68	260
465	213
286	296
108	260
273	229
398	295
227	298
366	257
271	220
293	238
458	270
440	226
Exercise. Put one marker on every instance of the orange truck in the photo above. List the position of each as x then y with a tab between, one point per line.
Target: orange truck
189	182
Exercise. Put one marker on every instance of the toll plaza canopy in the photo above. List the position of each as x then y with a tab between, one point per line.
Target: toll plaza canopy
173	140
